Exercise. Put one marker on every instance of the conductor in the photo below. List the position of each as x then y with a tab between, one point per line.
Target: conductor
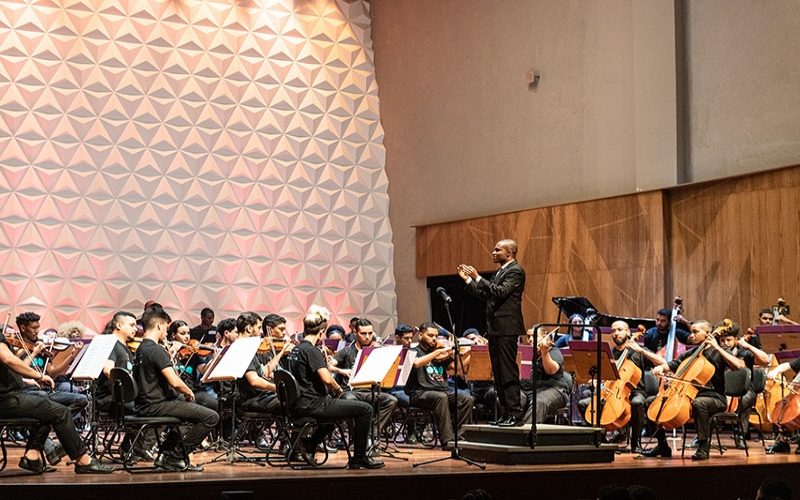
504	324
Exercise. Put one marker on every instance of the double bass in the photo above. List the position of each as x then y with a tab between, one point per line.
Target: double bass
786	413
673	348
615	409
672	407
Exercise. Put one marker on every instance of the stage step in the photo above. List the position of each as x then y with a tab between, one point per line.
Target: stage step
555	444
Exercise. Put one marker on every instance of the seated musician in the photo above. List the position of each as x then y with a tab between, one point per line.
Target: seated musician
655	338
309	367
39	358
73	332
186	362
258	393
644	360
273	328
751	355
577	332
343	365
15	402
403	335
427	384
781	444
711	398
552	387
158	382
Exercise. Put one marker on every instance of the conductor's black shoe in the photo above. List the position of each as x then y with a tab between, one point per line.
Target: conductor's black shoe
512	422
364	463
35	466
93	467
778	447
663	451
54	453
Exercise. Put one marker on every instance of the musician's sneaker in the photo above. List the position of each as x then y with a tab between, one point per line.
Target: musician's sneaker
778	447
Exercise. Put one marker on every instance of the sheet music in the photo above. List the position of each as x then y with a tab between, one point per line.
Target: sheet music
94	357
408	365
234	361
376	366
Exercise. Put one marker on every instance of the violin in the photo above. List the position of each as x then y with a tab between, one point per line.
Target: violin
195	347
269	344
672	407
615	397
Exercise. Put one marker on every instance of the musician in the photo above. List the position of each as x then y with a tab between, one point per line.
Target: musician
157	381
15	402
343	363
307	363
186	364
781	444
575	332
72	331
28	325
643	359
274	327
552	386
751	355
427	384
206	326
504	324
711	398
335	332
403	335
656	337
257	391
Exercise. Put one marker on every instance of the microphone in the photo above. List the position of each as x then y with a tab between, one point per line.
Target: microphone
443	294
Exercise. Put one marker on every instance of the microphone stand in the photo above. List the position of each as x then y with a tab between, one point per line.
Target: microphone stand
455	454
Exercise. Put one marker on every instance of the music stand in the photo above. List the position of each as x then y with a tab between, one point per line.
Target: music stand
585	356
376	368
455	454
229	365
775	338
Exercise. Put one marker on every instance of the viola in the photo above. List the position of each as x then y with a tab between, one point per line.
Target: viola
615	409
672	407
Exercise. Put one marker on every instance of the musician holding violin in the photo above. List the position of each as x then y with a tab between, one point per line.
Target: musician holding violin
308	366
626	348
343	363
15	402
187	354
276	343
552	385
699	372
40	356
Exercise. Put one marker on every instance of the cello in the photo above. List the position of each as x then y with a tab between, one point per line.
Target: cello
672	407
786	413
615	405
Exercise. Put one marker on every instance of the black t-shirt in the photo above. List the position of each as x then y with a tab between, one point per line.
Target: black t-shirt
747	356
654	340
303	362
154	388
716	386
200	333
245	389
345	359
429	377
795	365
122	358
10	381
545	381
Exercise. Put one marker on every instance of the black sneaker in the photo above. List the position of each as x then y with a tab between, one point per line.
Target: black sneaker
778	447
364	463
93	467
165	461
35	466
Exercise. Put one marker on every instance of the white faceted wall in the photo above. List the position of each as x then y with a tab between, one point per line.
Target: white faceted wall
226	154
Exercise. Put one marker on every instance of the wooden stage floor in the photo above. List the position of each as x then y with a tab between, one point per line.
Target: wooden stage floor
730	476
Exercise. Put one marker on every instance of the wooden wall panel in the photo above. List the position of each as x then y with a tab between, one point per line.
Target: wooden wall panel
734	244
728	247
609	250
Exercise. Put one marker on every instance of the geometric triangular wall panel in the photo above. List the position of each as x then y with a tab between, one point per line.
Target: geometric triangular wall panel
227	154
